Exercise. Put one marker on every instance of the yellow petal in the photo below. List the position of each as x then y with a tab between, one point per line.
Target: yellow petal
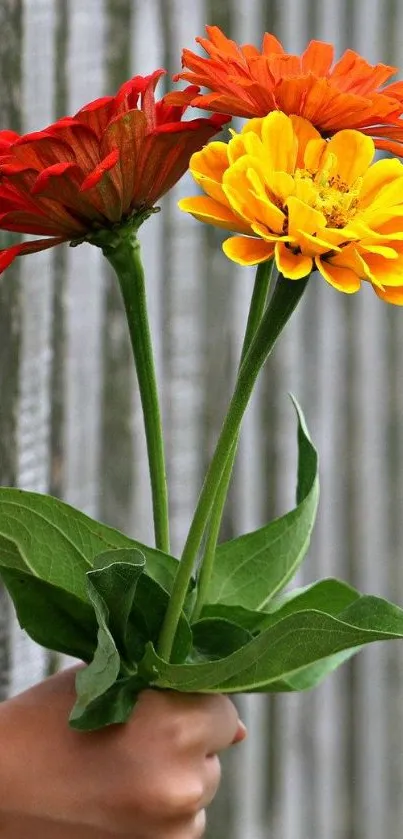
246	195
354	152
349	257
384	272
381	250
304	132
294	266
280	142
245	251
281	185
314	154
389	194
343	279
315	245
211	162
380	174
237	147
211	212
302	217
265	233
208	166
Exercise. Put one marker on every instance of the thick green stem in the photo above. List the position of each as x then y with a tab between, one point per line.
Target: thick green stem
125	259
283	302
257	307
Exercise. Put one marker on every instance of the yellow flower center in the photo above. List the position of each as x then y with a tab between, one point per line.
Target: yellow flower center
331	196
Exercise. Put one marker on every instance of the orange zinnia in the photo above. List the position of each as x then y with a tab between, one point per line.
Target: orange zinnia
247	82
85	176
310	203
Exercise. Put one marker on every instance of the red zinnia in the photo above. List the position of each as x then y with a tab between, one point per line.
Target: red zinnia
247	82
102	168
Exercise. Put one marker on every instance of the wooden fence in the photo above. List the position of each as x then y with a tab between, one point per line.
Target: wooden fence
325	765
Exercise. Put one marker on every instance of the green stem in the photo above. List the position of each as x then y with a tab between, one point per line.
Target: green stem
125	259
257	307
285	297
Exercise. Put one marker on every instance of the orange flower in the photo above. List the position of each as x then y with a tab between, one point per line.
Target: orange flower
310	203
246	82
87	175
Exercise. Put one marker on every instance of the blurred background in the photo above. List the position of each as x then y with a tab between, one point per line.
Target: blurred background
328	764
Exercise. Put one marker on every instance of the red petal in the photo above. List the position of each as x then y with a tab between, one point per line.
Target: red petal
127	133
107	199
8	255
81	139
7	138
97	114
100	170
62	183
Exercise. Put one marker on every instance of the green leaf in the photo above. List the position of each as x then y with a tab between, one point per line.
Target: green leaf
130	607
214	638
51	540
115	577
283	650
250	570
51	616
114	706
331	596
248	619
310	676
146	618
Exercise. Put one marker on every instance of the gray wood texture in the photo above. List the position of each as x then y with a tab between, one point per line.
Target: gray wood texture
325	765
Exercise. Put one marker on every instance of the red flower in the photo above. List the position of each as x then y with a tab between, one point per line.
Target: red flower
247	82
102	168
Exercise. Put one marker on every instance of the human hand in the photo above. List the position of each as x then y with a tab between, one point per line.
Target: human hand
151	778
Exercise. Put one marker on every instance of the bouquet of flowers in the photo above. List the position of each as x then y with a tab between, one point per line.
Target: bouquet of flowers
298	192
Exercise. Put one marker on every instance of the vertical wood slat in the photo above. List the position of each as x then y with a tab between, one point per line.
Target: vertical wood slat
10	321
247	501
369	399
36	285
84	287
183	297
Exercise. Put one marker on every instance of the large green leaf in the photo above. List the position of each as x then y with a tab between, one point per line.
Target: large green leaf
111	589
330	596
115	577
52	617
252	568
51	540
283	650
129	607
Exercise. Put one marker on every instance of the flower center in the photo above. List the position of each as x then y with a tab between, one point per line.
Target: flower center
334	198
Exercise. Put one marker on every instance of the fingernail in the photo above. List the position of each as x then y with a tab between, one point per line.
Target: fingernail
241	733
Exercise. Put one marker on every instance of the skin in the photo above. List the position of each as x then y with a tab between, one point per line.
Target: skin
149	779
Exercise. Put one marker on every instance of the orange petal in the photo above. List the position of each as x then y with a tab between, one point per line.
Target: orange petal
247	251
317	58
390	295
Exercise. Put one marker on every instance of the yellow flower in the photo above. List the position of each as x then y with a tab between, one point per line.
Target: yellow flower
309	202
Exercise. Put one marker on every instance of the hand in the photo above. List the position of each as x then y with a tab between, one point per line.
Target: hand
149	779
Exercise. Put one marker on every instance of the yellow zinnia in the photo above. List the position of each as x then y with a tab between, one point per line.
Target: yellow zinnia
309	202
